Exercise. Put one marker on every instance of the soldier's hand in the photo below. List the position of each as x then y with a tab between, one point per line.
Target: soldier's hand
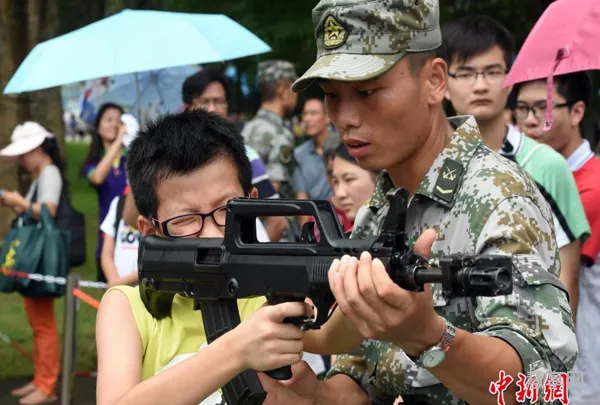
299	390
380	309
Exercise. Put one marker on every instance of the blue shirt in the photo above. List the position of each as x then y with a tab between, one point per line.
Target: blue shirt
310	175
113	186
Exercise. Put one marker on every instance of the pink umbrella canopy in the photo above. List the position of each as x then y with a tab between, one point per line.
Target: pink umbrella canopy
566	39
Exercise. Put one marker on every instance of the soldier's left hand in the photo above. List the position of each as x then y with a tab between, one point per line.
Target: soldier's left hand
382	310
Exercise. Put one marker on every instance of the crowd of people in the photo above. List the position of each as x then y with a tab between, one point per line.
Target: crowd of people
482	182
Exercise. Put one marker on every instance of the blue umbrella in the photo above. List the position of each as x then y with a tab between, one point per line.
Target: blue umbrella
146	95
134	41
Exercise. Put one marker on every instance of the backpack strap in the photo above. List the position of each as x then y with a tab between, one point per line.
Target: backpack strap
34	195
120	205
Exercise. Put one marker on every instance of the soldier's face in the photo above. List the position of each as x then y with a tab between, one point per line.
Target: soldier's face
476	88
385	121
289	97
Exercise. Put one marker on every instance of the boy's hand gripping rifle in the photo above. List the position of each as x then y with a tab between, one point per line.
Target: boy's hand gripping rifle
216	272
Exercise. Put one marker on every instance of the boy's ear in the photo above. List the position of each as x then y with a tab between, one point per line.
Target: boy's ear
145	226
253	193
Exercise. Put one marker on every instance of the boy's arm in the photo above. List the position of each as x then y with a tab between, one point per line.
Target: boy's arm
120	365
261	342
337	336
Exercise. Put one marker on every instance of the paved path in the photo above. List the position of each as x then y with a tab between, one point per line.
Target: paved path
85	391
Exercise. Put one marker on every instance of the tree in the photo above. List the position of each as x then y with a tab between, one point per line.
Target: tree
23	24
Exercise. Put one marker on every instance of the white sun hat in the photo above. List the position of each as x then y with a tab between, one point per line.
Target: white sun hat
25	138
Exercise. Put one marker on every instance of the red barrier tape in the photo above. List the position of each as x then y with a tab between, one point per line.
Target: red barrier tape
76	292
91	301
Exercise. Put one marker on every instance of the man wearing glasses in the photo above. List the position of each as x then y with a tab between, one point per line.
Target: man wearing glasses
572	94
479	53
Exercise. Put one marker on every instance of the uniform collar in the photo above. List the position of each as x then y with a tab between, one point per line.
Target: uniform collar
580	157
270	115
442	181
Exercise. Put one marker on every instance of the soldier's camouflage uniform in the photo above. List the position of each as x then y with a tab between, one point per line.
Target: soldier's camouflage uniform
267	134
477	201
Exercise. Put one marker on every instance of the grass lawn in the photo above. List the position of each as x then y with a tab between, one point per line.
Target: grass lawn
13	320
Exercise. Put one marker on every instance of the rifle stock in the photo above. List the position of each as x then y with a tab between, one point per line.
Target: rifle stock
216	272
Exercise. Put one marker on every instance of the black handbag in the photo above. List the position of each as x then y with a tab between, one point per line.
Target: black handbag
69	219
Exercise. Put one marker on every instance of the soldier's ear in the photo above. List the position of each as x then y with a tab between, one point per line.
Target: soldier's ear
253	193
282	89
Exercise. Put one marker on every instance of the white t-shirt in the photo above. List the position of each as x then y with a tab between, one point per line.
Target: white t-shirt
127	241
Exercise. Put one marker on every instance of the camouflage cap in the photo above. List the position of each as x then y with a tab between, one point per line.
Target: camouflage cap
361	39
273	70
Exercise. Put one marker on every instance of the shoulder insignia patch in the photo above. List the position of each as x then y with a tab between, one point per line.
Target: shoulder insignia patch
286	153
447	181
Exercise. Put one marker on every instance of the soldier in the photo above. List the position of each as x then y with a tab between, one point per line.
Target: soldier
266	132
379	63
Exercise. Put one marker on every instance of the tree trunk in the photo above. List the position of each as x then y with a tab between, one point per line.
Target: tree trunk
24	24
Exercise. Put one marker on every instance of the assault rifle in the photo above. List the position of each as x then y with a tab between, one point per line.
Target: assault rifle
216	272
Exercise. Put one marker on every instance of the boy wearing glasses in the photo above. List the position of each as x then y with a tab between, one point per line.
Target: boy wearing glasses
183	169
479	53
572	95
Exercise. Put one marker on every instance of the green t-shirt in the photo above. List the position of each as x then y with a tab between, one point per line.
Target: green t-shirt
553	177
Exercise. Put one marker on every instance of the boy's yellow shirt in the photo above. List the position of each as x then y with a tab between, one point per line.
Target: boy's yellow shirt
173	339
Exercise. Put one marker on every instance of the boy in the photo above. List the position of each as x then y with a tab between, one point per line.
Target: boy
185	164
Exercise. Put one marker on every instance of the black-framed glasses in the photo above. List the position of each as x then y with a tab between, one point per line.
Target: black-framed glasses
190	224
492	76
538	110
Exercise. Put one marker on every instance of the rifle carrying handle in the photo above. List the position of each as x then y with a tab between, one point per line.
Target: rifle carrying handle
285	372
219	317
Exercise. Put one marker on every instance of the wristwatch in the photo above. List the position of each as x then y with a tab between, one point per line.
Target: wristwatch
436	354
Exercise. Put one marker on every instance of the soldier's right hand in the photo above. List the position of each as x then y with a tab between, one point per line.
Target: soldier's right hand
264	342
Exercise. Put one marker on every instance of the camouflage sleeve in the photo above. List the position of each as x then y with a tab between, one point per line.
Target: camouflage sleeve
353	365
536	319
275	166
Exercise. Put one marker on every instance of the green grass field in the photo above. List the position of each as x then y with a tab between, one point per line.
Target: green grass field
13	320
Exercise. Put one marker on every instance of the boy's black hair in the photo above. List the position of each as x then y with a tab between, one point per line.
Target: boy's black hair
197	83
177	144
474	34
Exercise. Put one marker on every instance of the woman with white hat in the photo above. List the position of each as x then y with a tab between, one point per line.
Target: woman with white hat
36	150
